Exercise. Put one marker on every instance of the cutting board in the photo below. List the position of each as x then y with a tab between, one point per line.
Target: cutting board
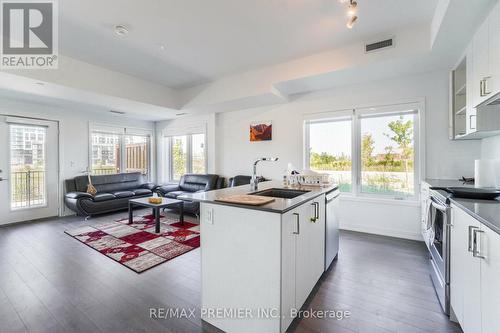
245	199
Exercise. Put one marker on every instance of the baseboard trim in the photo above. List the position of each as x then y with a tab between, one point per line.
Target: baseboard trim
382	231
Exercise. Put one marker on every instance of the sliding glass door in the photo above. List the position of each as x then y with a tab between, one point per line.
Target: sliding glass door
28	169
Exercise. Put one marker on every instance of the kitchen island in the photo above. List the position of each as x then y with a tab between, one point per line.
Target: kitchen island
260	263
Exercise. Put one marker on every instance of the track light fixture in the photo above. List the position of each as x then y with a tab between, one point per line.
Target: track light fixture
352	11
351	21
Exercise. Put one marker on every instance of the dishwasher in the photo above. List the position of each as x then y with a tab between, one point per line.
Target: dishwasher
331	227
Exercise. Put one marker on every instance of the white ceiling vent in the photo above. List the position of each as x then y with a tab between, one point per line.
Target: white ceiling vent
379	45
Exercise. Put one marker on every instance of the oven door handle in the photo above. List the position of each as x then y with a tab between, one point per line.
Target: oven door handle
438	205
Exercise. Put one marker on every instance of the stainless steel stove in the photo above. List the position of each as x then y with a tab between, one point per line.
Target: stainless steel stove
436	232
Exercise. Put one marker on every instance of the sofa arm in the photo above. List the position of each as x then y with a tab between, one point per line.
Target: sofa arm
78	195
164	189
149	186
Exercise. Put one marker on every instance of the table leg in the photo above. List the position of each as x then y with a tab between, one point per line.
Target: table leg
181	213
130	213
157	220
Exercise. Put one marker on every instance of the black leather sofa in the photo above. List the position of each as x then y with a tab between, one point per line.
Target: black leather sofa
191	183
113	192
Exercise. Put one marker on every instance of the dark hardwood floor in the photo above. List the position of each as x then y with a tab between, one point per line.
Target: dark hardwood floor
50	282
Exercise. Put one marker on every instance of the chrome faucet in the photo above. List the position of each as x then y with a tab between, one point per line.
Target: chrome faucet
254	182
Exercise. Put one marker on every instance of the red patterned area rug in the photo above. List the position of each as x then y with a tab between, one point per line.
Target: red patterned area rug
136	245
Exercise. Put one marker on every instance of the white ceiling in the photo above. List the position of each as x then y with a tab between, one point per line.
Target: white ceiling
207	39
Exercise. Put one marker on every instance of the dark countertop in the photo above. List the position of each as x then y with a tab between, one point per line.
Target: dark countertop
485	211
447	183
279	205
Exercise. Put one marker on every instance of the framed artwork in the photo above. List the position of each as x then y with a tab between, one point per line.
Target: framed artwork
261	131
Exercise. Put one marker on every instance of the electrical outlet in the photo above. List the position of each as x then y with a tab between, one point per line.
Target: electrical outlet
209	215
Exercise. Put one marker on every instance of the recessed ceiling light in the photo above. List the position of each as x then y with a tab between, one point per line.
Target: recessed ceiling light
162	47
120	30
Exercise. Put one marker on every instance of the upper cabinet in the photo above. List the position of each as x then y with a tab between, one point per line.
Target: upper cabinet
486	45
481	61
494	49
475	79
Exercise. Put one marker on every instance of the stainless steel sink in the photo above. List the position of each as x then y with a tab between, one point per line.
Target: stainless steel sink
283	193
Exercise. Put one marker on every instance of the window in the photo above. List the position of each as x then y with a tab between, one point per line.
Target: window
27	166
137	154
115	150
388	154
187	155
198	152
330	150
371	152
179	156
105	153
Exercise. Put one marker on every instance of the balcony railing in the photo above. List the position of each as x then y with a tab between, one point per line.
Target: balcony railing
27	189
111	171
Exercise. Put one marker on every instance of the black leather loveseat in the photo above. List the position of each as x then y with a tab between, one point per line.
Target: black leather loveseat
191	183
113	192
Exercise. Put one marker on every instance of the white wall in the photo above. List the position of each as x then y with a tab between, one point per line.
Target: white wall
490	148
444	158
73	132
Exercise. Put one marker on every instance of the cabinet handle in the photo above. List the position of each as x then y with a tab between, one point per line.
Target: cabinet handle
297	218
481	93
316	211
313	219
470	247
485	86
470	122
475	251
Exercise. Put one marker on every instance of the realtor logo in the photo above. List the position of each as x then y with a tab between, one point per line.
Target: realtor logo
29	34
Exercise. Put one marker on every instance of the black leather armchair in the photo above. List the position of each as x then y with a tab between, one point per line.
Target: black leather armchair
191	183
242	180
113	192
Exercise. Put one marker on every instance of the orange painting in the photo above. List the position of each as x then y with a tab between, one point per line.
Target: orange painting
261	131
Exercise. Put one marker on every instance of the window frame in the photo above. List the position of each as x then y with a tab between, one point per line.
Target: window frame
189	153
355	115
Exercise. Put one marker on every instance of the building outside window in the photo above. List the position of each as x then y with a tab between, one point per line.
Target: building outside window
120	152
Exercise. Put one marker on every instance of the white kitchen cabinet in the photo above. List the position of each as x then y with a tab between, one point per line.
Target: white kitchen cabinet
290	226
481	60
486	58
465	272
489	242
303	251
495	49
459	255
475	272
470	112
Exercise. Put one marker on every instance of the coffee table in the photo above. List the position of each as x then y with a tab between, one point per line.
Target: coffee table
166	203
